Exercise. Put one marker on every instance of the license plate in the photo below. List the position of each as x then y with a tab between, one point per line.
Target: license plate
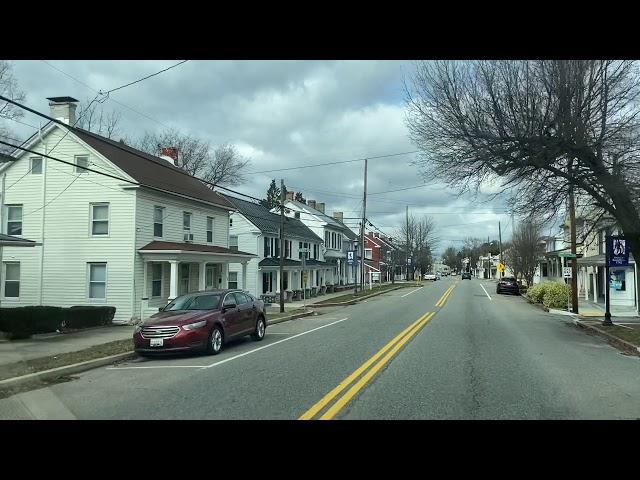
157	342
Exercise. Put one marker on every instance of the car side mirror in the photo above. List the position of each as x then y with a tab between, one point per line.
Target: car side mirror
160	309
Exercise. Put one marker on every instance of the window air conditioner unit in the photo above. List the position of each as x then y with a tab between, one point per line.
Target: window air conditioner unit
188	237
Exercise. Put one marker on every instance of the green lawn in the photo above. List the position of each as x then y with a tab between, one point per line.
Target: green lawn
630	335
276	315
367	293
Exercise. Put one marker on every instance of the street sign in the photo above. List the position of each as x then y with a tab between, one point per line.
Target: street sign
351	254
617	251
500	267
567	272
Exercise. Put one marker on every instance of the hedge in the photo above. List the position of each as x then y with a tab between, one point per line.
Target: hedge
22	322
550	294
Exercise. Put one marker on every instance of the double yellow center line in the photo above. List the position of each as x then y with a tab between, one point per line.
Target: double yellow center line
364	373
443	299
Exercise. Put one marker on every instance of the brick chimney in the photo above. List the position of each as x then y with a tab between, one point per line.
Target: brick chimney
338	216
290	195
63	109
311	203
320	206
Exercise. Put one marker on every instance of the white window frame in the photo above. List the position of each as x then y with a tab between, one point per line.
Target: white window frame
368	254
92	220
31	159
236	245
161	264
21	207
4	280
213	222
189	215
229	280
106	280
161	222
76	169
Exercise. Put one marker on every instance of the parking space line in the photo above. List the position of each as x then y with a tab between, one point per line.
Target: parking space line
412	291
274	343
486	291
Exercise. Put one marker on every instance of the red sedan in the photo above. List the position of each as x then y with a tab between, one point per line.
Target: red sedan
201	321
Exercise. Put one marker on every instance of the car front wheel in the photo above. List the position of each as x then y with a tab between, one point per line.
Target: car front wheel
214	345
260	330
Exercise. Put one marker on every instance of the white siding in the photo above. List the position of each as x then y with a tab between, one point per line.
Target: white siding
250	241
172	232
68	245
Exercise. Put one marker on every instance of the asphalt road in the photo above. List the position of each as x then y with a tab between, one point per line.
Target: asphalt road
444	351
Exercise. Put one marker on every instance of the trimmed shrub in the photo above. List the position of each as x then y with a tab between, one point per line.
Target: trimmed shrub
556	295
22	322
535	292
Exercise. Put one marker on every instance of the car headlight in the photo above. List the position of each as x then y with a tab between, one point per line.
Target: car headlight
193	326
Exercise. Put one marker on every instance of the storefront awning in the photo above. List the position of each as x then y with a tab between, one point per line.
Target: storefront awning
598	260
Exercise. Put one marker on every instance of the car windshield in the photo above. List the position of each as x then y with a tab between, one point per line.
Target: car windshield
194	302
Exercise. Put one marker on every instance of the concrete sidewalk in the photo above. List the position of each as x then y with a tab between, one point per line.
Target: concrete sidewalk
51	344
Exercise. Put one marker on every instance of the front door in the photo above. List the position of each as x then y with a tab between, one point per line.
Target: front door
185	272
210	277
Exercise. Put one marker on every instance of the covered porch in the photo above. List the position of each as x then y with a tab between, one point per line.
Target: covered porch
171	269
622	282
314	279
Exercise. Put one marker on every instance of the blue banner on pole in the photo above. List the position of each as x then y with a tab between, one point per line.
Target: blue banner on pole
617	252
351	257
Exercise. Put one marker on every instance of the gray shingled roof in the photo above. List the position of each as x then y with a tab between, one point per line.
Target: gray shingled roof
338	225
269	222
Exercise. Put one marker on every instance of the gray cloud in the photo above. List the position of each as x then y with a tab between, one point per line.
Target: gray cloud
282	114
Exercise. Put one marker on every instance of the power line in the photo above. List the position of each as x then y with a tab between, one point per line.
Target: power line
144	78
312	165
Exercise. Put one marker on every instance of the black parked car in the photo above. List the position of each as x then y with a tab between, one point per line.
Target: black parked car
466	275
508	284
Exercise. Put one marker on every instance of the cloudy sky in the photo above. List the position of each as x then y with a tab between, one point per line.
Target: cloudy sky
281	114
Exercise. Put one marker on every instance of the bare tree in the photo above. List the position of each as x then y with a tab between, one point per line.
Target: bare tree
539	129
9	88
421	242
524	251
92	117
222	165
452	259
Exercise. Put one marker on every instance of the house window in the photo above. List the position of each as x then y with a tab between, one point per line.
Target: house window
210	230
158	221
326	239
230	222
98	280
81	161
315	251
99	219
186	221
233	242
368	254
36	165
268	279
340	241
276	247
156	280
267	246
233	279
11	279
287	252
14	219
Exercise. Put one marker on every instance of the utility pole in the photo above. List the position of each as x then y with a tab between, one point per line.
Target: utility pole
500	240
283	195
406	262
364	223
574	259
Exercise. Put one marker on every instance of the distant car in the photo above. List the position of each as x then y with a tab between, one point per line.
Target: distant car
201	321
466	275
430	276
508	284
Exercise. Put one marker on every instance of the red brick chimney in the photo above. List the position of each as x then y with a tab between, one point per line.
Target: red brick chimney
311	203
290	195
338	216
320	206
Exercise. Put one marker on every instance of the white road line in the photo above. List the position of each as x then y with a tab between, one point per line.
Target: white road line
412	291
155	366
274	343
485	291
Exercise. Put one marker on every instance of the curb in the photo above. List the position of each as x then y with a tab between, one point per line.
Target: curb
356	300
291	317
613	340
67	369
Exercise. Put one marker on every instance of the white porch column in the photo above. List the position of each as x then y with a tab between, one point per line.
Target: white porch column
202	276
244	275
277	289
225	275
144	304
173	280
595	284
